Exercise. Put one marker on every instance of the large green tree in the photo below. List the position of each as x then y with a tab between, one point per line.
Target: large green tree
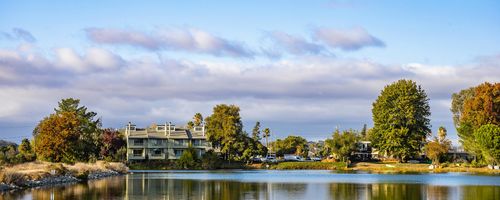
401	119
256	131
472	108
224	127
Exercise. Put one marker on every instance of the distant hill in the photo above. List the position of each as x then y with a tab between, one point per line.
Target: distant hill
6	143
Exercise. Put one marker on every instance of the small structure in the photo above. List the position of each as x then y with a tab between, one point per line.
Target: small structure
365	152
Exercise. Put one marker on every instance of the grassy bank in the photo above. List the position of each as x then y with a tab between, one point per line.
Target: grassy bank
393	167
308	165
35	173
171	165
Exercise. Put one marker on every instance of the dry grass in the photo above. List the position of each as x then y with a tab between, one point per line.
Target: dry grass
423	168
38	169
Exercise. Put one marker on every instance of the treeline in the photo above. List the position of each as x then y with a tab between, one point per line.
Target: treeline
70	134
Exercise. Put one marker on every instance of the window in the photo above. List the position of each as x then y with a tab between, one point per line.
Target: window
137	152
157	142
156	152
160	128
178	152
198	129
198	142
138	142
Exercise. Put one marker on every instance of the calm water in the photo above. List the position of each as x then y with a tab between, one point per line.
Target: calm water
261	184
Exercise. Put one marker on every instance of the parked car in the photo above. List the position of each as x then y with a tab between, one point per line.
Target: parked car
269	159
316	159
292	157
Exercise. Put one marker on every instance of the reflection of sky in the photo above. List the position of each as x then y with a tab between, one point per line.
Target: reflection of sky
320	176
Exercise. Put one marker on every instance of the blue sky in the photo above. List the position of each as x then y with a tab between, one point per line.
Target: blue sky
301	67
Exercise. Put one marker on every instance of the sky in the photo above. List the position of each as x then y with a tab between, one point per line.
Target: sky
299	67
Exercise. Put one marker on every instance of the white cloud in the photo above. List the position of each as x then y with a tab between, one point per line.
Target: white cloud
347	39
184	39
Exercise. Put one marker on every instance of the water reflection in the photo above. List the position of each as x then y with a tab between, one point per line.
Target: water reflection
149	186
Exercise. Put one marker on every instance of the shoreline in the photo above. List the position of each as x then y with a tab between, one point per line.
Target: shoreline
42	174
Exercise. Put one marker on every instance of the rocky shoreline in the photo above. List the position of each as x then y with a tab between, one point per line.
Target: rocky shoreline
57	180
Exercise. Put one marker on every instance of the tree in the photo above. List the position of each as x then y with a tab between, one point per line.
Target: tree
267	134
69	119
26	151
57	137
438	147
290	145
197	119
188	159
473	108
223	127
344	144
488	137
401	119
363	132
256	131
112	142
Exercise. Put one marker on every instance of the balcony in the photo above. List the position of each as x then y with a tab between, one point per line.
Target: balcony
156	156
132	156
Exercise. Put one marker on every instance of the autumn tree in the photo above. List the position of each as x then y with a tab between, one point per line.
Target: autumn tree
472	108
112	142
70	119
57	138
438	147
401	119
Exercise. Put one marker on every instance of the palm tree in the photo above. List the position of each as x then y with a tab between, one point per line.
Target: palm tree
266	135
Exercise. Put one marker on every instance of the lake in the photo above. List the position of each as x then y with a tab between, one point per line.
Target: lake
273	184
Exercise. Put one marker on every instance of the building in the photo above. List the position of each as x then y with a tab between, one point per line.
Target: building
365	152
163	142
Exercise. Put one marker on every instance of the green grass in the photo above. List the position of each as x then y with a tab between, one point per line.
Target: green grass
309	165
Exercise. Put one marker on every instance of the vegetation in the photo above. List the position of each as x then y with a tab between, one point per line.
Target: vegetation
309	165
113	146
290	145
343	144
488	138
188	160
473	108
438	147
401	123
225	131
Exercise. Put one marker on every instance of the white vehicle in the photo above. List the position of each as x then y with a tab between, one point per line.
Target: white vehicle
291	157
316	159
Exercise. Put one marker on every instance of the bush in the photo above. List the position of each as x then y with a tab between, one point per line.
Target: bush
57	169
188	160
309	165
12	178
117	167
210	160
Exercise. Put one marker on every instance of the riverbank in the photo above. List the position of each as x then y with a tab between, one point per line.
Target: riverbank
393	167
38	173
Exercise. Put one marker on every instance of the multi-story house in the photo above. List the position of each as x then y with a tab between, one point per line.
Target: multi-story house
163	142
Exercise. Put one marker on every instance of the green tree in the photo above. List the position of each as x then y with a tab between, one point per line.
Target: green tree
438	147
210	160
401	119
488	137
223	128
363	132
198	119
26	151
256	131
188	159
344	144
290	145
267	134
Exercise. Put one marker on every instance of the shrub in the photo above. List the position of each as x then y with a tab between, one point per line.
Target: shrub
309	165
210	160
117	167
57	169
188	160
15	178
